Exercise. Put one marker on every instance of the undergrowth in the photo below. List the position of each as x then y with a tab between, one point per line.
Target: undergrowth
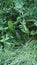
18	32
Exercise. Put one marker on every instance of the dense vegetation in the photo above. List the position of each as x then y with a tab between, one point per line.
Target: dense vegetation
18	32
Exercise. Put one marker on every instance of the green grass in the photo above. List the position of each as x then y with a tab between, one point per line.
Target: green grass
18	32
24	55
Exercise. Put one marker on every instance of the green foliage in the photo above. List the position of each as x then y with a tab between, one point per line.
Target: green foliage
34	32
18	32
24	27
11	26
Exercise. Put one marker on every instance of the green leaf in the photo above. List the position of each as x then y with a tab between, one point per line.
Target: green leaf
11	26
35	23
24	27
18	4
34	32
